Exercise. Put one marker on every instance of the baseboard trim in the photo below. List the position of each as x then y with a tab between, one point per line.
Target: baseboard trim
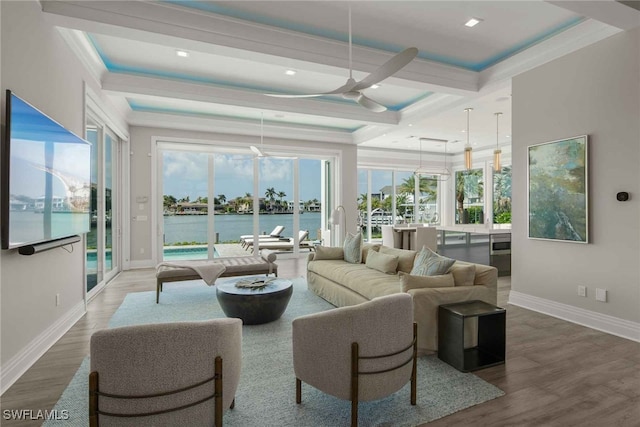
591	319
18	364
147	263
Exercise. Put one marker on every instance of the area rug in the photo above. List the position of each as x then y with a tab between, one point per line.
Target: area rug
266	393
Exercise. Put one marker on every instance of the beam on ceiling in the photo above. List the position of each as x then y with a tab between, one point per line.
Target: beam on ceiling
131	85
173	25
622	15
235	127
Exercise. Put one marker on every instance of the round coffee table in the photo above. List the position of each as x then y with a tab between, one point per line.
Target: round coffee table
254	305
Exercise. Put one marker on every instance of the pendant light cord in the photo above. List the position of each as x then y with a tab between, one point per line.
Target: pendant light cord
350	45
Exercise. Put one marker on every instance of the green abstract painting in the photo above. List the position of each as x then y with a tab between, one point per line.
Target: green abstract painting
558	190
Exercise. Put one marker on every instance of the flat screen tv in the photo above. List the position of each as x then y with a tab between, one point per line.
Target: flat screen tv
46	178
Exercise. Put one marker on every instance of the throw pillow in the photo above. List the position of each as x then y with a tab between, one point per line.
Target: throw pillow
352	245
405	257
387	264
366	247
463	274
408	281
429	263
327	252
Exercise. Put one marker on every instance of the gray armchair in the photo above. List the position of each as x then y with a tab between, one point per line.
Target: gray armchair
358	353
165	374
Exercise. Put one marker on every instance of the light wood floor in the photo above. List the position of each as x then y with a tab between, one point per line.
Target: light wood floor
557	373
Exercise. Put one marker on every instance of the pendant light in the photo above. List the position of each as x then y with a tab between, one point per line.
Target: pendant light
437	174
467	148
497	152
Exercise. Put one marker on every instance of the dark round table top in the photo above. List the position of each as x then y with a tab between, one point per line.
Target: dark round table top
273	285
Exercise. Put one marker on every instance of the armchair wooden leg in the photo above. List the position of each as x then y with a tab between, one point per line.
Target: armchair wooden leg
415	367
158	289
218	392
233	404
298	390
93	399
354	384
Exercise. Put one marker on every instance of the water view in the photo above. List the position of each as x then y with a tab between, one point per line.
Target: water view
192	229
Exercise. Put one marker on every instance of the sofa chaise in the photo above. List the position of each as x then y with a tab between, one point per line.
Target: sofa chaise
343	284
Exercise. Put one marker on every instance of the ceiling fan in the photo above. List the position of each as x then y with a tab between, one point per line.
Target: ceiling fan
353	89
259	151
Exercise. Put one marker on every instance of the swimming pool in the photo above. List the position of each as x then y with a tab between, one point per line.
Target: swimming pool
171	253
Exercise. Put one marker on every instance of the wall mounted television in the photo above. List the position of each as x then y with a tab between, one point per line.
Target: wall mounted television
45	189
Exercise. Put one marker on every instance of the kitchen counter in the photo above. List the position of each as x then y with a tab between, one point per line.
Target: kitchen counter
476	228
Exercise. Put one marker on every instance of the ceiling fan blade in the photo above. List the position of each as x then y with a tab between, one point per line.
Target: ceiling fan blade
344	88
370	104
387	69
282	95
257	151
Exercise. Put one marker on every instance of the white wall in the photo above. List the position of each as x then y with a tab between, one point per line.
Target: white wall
594	91
38	66
142	159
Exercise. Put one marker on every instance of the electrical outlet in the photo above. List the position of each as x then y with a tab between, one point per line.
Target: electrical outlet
57	300
582	291
601	295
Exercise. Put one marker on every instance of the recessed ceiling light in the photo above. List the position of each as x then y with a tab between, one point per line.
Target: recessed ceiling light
290	72
410	124
182	53
508	136
473	22
375	86
463	131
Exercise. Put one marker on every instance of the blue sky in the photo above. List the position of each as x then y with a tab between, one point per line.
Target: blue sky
186	174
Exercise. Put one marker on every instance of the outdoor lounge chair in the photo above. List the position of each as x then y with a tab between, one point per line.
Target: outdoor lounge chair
275	234
285	244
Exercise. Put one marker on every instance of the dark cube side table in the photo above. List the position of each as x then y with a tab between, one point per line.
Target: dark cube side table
490	350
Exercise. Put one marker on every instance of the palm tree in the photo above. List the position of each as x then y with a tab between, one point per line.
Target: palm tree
270	195
428	187
169	201
222	199
281	195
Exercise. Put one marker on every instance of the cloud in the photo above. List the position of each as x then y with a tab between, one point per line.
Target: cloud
275	169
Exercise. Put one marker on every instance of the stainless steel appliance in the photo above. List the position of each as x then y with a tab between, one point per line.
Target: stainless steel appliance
500	253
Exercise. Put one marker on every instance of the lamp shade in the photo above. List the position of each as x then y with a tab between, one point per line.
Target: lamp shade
467	148
496	159
467	158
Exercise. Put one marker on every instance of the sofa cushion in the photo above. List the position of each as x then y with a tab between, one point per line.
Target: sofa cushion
429	263
366	247
352	248
384	263
327	252
408	281
405	257
359	278
463	274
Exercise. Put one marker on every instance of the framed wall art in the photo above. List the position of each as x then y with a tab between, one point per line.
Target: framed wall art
558	184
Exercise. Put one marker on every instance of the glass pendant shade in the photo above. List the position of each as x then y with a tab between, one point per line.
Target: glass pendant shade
496	160
467	157
468	161
497	152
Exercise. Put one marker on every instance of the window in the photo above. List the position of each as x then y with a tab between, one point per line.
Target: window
209	199
392	197
469	192
502	196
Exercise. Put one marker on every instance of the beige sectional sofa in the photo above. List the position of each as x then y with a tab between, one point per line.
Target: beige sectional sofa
342	284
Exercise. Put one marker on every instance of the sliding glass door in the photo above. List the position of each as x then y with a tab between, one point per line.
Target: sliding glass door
213	199
103	240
